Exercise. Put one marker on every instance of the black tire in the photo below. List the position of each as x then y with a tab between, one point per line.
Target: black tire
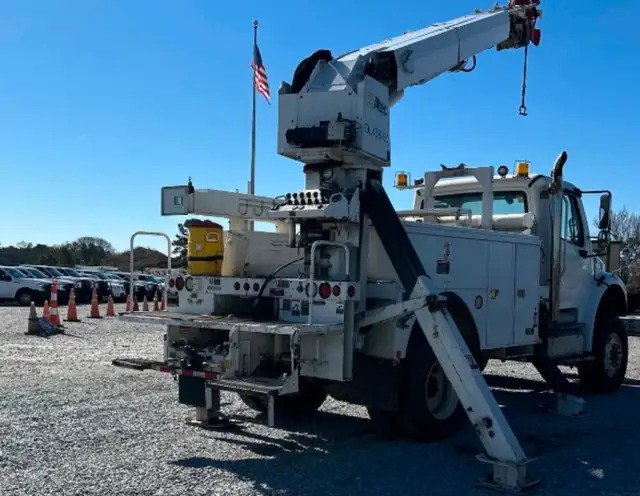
307	401
429	408
24	297
414	419
605	373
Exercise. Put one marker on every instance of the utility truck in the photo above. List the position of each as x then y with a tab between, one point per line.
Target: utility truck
394	310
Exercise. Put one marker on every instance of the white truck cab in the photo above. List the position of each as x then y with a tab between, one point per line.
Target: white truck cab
14	286
519	203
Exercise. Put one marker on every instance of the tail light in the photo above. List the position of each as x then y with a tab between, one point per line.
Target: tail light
236	286
325	290
172	283
311	289
179	283
188	283
336	290
246	286
351	290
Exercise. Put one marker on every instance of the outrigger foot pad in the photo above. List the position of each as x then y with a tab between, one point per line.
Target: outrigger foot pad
507	477
564	405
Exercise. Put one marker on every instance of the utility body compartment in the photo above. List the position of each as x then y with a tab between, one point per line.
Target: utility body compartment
495	273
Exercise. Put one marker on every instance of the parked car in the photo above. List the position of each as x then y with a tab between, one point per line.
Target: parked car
14	286
102	287
115	287
144	285
161	284
83	286
152	285
140	288
64	288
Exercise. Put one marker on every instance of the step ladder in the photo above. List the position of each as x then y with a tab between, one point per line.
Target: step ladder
259	386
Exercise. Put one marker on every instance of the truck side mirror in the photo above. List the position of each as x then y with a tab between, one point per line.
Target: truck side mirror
604	218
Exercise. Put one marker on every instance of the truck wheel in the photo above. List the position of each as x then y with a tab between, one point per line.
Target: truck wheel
24	297
606	372
429	407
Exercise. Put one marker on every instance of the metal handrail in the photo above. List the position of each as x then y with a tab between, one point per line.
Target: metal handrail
131	266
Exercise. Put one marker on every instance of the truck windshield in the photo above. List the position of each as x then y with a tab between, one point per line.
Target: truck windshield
504	202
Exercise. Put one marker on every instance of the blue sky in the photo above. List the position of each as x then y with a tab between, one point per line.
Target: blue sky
104	102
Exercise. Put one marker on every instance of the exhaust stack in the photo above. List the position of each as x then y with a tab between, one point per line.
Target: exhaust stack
556	191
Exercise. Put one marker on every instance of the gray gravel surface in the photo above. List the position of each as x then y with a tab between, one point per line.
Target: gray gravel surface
71	423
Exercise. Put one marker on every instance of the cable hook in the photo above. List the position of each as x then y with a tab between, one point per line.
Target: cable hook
523	108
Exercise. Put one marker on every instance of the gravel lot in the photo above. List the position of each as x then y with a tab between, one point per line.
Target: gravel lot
71	423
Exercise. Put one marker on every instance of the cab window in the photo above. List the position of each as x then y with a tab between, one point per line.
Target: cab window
572	229
504	202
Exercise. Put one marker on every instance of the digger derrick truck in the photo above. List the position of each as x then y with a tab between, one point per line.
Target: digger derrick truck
395	310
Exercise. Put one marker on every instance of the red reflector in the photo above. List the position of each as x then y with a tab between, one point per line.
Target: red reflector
351	290
187	372
164	369
336	290
246	286
236	285
172	283
325	290
179	283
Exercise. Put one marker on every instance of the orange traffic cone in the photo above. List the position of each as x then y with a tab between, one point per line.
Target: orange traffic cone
128	309
45	310
135	304
110	310
156	307
54	318
145	304
162	304
72	311
95	309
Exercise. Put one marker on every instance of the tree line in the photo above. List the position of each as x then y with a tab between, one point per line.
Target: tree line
90	251
85	250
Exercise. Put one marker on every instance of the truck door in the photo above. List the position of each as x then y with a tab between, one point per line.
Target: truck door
577	271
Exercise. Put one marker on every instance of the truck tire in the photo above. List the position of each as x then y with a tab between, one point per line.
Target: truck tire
24	297
429	408
605	373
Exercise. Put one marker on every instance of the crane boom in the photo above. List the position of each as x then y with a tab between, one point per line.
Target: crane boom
337	109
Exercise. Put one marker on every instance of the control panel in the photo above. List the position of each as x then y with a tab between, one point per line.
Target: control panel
315	203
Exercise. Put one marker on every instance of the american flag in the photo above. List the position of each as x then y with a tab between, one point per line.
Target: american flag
260	75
